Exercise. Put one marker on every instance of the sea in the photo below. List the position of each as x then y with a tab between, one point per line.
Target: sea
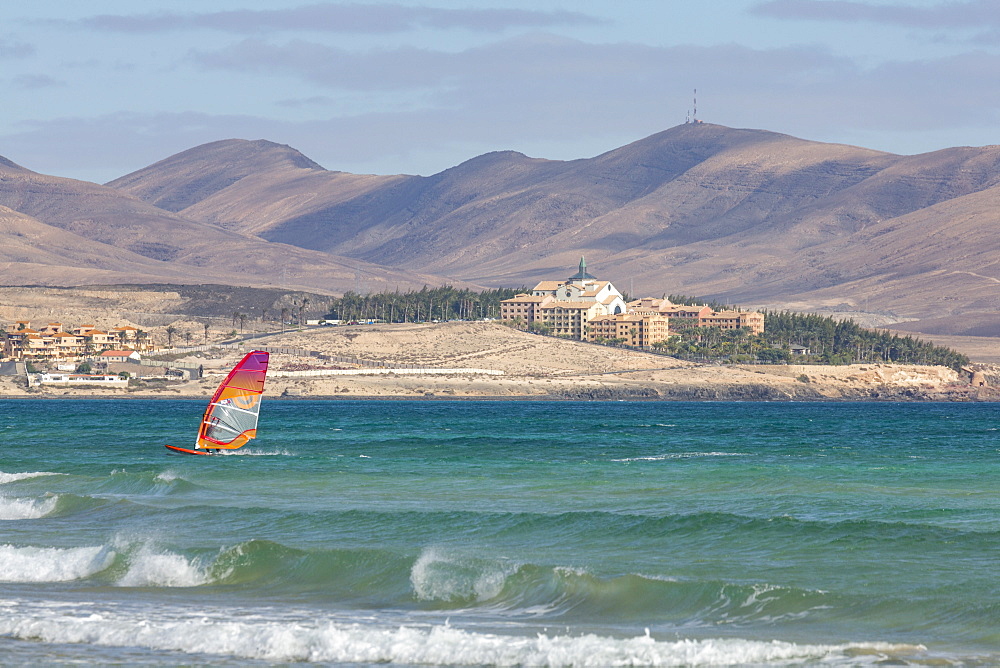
502	533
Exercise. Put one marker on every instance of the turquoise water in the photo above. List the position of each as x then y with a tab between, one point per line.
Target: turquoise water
502	533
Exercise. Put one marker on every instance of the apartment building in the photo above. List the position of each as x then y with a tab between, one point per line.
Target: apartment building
51	342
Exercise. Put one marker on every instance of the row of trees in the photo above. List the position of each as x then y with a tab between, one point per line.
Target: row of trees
444	303
827	340
844	341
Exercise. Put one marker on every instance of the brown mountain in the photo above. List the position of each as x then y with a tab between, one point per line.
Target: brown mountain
748	216
36	253
66	232
245	185
745	215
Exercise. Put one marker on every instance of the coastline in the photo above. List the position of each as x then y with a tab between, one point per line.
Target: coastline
523	367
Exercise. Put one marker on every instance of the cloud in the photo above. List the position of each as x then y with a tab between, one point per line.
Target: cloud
37	81
532	65
547	97
971	14
312	101
11	49
351	18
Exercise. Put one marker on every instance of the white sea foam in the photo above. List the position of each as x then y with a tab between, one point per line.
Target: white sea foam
327	642
168	476
681	455
50	564
243	452
145	565
439	576
11	477
149	567
26	509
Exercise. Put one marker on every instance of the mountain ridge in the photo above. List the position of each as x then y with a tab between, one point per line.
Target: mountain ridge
138	242
728	214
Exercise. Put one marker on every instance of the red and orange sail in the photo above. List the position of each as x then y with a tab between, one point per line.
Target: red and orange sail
231	417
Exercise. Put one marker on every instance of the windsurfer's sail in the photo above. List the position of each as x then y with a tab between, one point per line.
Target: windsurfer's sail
231	417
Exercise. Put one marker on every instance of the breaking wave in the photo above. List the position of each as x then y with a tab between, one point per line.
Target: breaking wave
12	477
254	637
51	564
26	509
119	564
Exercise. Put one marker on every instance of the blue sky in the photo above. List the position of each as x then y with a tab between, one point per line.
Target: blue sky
98	89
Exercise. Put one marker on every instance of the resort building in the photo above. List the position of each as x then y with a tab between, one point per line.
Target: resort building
565	307
521	308
639	330
585	308
700	315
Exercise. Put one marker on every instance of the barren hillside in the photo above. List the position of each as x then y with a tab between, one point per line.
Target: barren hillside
99	234
745	216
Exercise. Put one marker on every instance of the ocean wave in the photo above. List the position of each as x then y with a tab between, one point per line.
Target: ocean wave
510	588
26	509
12	477
122	482
433	645
144	565
121	563
436	579
438	575
168	476
50	564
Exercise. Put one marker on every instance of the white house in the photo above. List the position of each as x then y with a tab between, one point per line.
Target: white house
119	356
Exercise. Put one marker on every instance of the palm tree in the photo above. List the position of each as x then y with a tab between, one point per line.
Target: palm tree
171	330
